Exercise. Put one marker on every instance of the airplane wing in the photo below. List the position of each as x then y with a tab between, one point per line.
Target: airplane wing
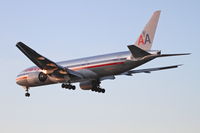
149	70
46	65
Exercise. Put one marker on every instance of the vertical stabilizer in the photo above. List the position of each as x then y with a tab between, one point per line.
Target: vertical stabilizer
145	40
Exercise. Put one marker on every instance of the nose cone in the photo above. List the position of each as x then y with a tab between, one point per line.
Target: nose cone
21	80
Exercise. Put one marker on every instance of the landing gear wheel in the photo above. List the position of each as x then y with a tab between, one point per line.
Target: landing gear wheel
73	87
27	94
99	90
63	85
103	90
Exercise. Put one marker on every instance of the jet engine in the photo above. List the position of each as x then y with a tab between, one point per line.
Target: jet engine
37	78
42	77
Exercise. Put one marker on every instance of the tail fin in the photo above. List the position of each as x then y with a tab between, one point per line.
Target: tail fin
145	40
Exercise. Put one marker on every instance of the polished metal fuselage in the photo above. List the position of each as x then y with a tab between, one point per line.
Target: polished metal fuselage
92	68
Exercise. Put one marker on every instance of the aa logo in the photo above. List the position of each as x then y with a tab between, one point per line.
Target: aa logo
144	39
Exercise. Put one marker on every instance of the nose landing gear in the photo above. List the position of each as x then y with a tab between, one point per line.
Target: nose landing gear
27	94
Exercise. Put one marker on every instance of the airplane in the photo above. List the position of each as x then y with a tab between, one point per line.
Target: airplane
91	71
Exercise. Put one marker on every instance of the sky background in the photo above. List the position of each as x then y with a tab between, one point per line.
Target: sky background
164	101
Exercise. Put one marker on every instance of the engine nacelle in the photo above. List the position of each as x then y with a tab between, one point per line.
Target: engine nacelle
37	78
42	77
88	85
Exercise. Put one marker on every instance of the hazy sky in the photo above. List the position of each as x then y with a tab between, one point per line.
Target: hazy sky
161	102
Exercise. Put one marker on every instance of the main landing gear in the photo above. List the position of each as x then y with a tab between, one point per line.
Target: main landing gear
100	90
97	88
68	86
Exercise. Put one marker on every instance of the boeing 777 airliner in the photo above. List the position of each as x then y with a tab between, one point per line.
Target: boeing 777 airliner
91	71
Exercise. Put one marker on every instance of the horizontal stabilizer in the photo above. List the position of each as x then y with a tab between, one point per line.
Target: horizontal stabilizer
137	52
166	55
149	70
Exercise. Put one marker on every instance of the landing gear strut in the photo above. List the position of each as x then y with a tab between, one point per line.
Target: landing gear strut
68	86
27	94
